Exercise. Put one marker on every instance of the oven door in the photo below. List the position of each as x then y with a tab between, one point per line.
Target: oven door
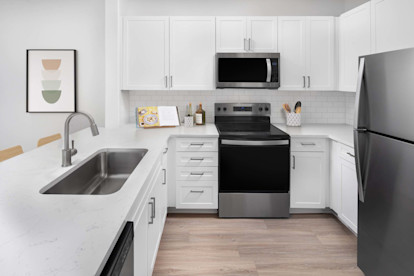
247	70
248	166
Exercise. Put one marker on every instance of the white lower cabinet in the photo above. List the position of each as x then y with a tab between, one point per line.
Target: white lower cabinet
344	185
308	182
196	173
149	224
309	173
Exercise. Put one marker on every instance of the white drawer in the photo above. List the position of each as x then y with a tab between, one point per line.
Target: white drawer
197	159
196	144
308	144
197	173
347	153
202	196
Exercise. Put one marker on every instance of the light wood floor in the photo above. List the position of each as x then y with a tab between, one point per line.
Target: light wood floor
301	245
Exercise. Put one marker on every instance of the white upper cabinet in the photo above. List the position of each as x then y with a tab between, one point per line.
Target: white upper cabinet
231	34
306	46
320	53
262	34
246	34
355	41
292	52
192	53
145	53
392	22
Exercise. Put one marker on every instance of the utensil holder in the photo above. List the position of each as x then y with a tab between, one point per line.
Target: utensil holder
188	121
293	119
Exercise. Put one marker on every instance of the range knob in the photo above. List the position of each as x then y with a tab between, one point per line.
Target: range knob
218	108
266	109
260	109
224	108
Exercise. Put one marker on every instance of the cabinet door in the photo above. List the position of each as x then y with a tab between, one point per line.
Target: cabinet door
349	195
231	34
262	34
140	243
308	180
192	49
355	33
153	230
335	187
292	52
320	53
145	53
392	23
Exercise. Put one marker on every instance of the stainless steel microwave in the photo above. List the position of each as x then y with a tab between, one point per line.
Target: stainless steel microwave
248	70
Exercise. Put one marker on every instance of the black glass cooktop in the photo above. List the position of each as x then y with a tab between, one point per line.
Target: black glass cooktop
264	131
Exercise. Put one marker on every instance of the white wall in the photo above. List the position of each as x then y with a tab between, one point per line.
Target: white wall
235	7
48	24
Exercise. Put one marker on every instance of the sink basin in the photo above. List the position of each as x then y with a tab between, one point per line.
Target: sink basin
105	172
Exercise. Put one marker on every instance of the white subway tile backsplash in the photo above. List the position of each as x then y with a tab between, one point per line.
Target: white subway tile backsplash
317	106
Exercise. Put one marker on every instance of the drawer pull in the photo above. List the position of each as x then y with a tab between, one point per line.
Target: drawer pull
194	191
151	217
196	144
350	154
308	144
196	159
197	173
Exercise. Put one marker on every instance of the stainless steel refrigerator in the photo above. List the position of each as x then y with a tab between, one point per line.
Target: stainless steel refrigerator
384	148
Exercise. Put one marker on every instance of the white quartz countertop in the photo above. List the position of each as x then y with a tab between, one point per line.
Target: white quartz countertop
340	133
71	234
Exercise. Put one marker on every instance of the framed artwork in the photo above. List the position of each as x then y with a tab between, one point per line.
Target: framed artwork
51	81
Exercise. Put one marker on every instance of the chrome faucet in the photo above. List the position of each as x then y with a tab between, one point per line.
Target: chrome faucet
67	152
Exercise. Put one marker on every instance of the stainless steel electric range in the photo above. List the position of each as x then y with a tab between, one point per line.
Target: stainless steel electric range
254	162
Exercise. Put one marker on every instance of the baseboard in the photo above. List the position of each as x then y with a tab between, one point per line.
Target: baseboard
173	210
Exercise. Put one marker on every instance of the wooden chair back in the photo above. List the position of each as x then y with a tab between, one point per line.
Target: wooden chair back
10	152
48	139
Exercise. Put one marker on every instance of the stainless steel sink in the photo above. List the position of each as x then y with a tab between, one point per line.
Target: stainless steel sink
105	172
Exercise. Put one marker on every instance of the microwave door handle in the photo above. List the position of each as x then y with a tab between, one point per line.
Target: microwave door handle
269	70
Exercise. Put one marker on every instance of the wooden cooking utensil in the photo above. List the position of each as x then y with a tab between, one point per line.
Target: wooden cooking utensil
287	108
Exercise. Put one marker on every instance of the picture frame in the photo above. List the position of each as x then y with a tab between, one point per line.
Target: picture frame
51	81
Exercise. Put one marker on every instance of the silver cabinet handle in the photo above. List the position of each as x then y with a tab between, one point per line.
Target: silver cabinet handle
197	173
308	144
194	191
153	209
196	159
196	144
244	44
304	82
151	217
166	82
308	81
165	176
350	154
294	162
171	83
250	44
165	150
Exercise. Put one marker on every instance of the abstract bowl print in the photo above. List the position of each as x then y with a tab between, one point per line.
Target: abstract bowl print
51	96
51	84
51	74
51	64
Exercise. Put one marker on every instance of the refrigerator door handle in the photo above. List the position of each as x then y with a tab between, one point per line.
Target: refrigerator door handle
358	92
361	186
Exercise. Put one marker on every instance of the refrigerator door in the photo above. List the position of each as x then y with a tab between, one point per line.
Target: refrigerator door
386	94
386	217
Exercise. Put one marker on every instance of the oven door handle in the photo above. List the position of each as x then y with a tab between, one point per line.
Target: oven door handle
255	143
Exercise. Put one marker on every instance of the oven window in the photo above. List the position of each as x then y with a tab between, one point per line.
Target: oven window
242	70
254	169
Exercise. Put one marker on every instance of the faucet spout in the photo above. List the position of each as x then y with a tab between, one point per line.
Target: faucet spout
67	152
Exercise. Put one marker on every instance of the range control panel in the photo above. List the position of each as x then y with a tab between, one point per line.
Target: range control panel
242	109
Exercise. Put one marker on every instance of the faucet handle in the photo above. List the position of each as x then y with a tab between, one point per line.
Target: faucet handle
73	150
